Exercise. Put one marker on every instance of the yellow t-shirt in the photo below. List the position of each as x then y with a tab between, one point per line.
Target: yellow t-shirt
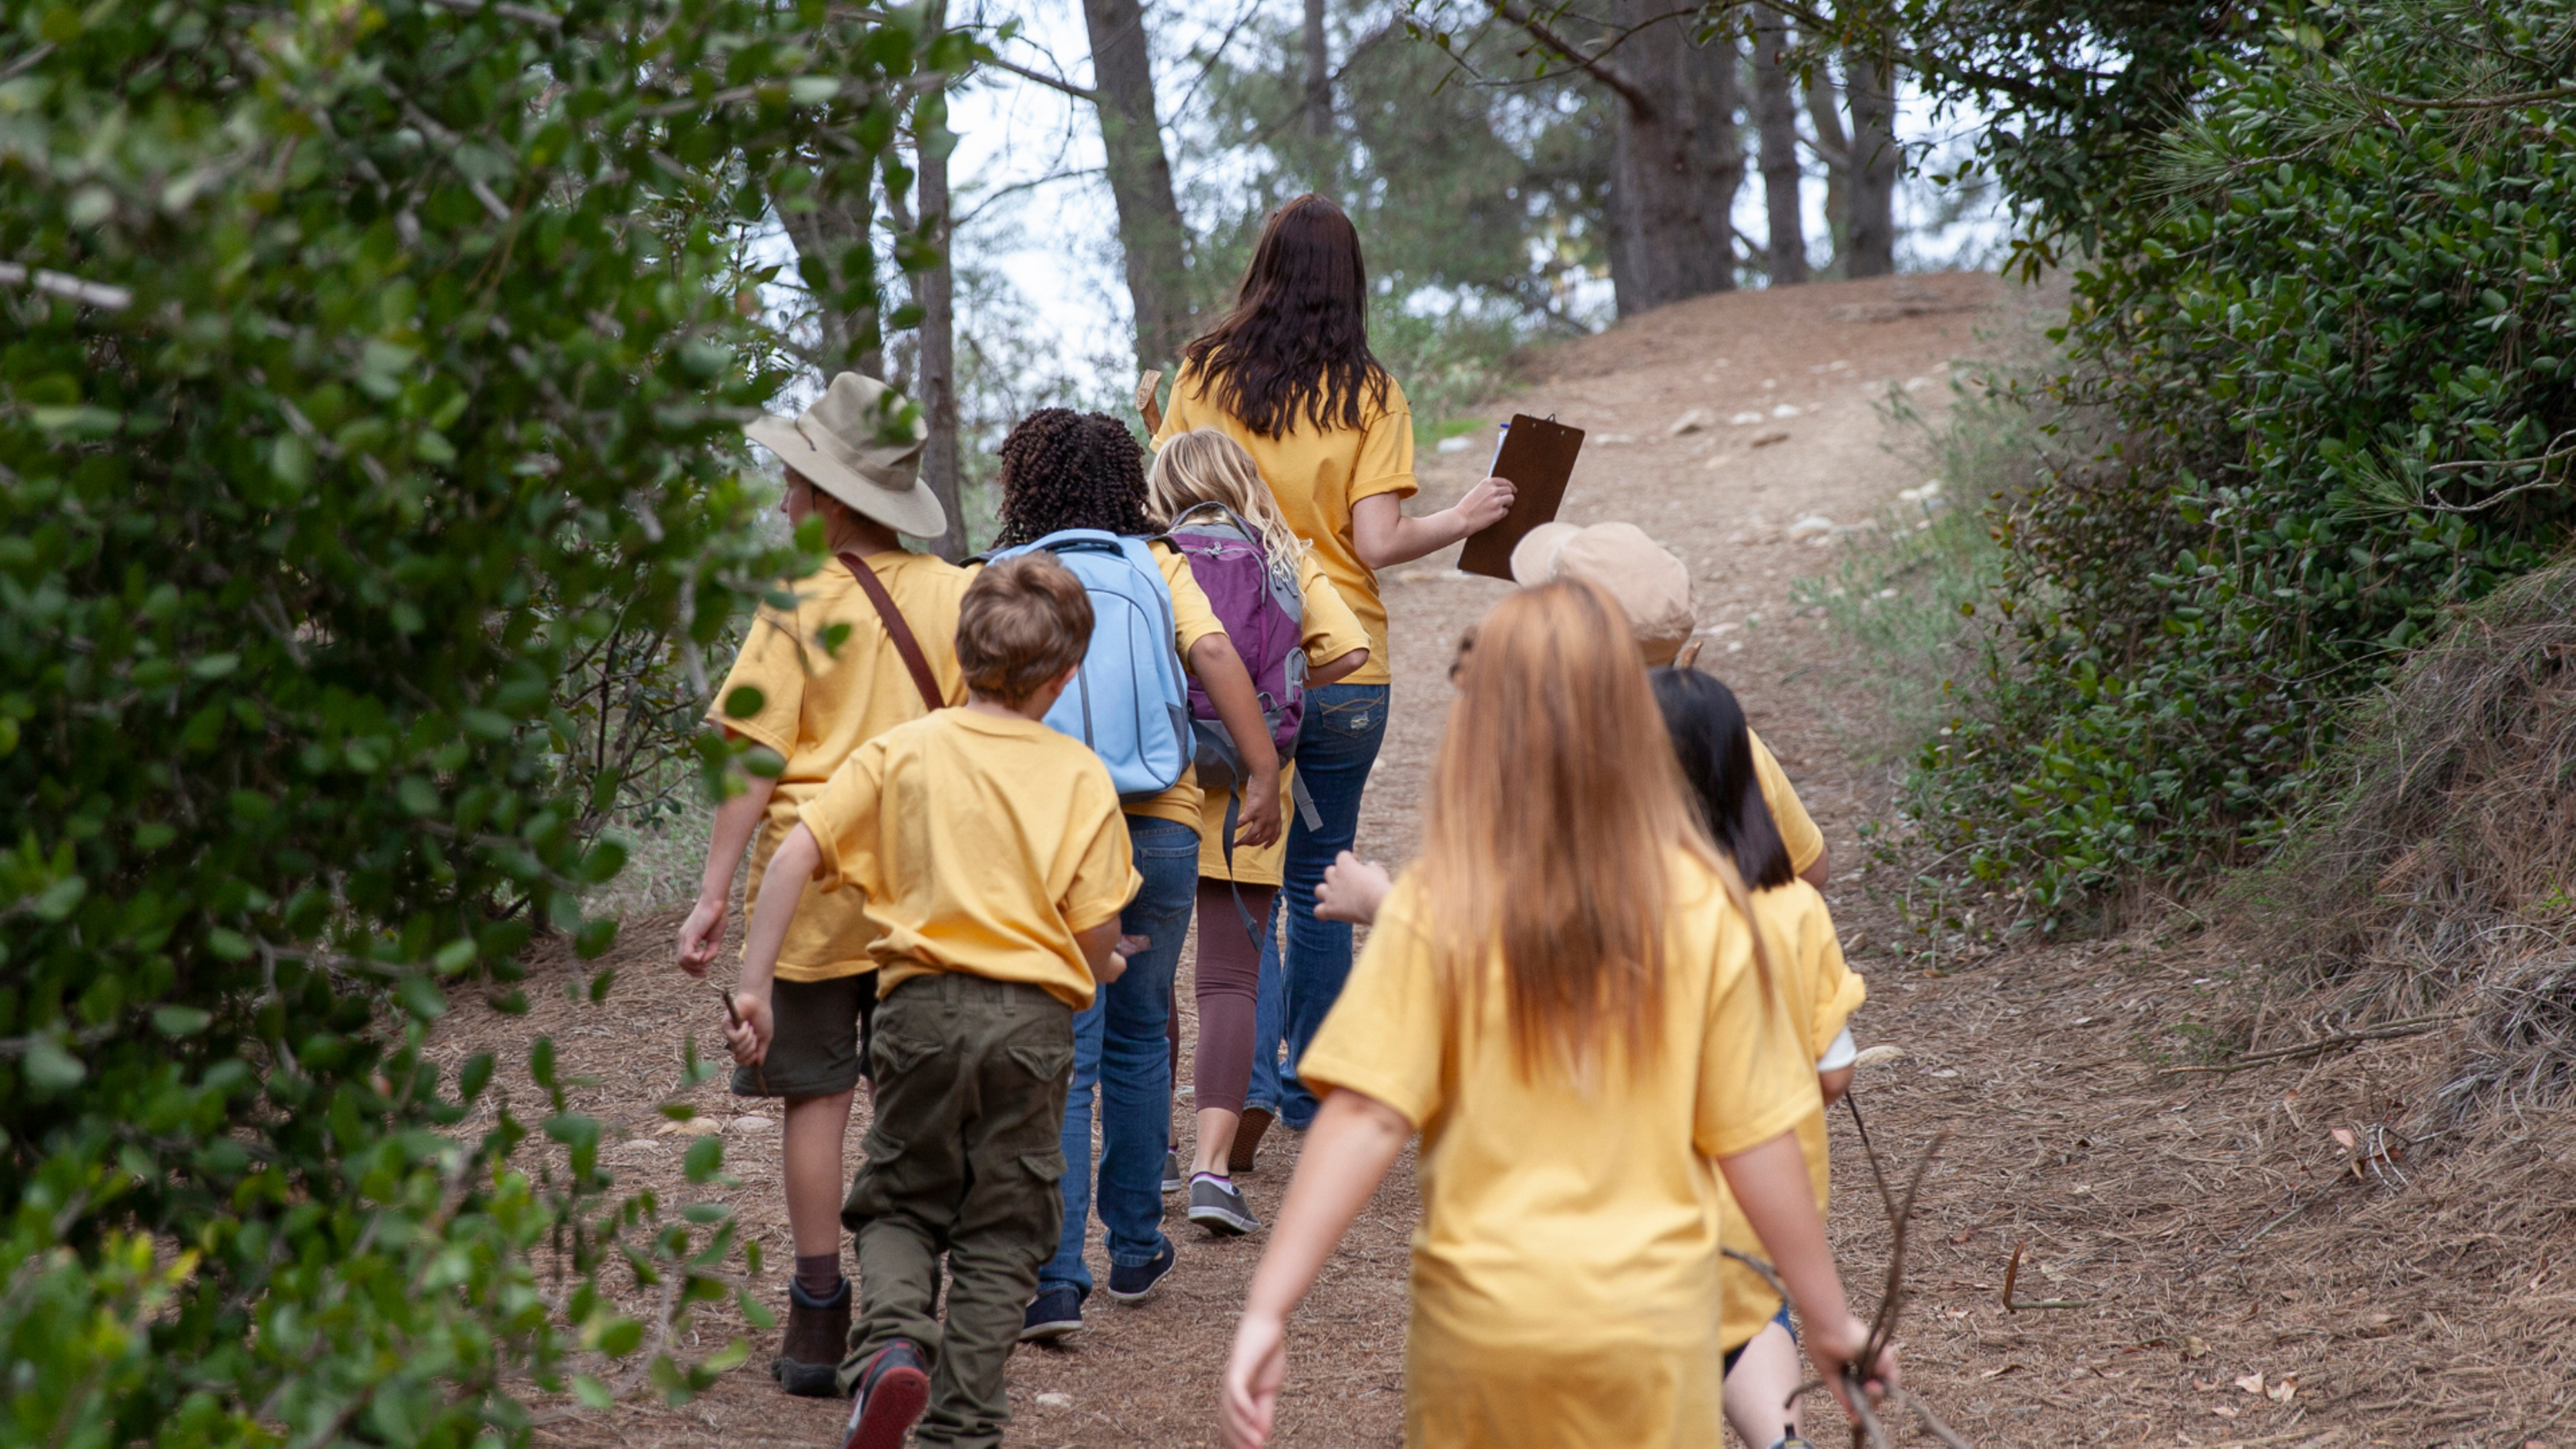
1798	833
818	704
1565	1281
1317	476
1329	630
983	842
1798	932
1193	619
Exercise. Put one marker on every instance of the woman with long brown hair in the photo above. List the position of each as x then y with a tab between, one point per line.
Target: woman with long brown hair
1289	375
1564	999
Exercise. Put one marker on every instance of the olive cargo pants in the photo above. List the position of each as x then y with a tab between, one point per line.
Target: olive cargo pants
962	1158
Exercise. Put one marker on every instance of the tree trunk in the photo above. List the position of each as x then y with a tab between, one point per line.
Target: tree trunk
1677	161
1140	179
936	290
834	250
1319	74
1875	163
1775	110
1834	149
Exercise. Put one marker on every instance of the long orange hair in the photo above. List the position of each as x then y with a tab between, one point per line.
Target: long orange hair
1556	811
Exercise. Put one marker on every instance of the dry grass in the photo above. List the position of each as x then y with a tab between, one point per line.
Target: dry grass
2435	882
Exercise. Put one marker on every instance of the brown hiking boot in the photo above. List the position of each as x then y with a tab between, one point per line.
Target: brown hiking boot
818	1334
1247	1139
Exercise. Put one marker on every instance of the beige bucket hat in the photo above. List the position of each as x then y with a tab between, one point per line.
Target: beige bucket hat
841	444
1648	581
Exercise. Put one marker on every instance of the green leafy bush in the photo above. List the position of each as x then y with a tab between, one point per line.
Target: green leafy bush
2334	356
369	378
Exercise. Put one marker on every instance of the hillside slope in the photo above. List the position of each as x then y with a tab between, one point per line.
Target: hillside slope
2231	1273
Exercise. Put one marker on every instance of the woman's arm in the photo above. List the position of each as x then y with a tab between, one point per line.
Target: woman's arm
702	934
1383	537
1354	1141
1770	1183
1228	684
1338	670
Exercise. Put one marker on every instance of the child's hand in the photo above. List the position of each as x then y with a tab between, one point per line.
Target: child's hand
1260	823
701	935
1127	946
1352	891
748	1035
1834	1350
1254	1374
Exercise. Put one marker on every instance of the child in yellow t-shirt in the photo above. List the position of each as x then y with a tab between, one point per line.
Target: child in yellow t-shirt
814	681
1067	470
1207	477
993	861
1565	1001
1714	746
1653	588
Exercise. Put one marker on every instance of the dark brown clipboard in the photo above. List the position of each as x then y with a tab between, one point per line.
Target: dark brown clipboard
1538	455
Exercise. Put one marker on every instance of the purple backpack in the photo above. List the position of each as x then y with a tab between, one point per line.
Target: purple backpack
1264	617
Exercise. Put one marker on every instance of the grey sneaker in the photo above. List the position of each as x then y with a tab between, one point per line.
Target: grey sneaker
1174	1180
1216	1205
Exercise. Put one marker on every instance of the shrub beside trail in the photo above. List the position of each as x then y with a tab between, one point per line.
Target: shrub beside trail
368	394
2332	356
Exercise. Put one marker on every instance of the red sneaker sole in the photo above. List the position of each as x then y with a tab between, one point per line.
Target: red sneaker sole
893	1404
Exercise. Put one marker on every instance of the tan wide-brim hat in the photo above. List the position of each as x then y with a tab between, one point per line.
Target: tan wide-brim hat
1644	576
853	444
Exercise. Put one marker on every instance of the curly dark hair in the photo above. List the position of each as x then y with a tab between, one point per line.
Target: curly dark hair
1063	469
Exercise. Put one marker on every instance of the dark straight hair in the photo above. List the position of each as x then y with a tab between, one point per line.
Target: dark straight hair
1296	344
1715	747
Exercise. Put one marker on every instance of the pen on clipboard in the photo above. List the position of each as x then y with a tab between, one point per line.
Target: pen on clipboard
1502	435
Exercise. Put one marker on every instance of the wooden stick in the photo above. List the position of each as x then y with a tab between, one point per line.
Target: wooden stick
2391	1032
2012	1272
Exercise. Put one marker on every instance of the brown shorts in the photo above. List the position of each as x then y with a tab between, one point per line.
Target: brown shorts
821	1044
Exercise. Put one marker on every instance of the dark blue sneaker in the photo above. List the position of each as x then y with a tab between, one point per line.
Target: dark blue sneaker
1127	1284
894	1388
1054	1313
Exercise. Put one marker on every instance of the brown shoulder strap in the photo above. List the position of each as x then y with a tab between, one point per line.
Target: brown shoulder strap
897	630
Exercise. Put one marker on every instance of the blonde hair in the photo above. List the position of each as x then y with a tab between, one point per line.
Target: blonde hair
1204	465
1556	809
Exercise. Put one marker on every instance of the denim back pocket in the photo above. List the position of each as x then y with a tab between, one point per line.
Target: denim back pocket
1351	717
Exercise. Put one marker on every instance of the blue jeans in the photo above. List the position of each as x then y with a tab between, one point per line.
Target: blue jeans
1336	747
1267	1007
1119	1047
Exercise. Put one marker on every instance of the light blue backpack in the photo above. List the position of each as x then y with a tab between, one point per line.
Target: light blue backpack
1131	701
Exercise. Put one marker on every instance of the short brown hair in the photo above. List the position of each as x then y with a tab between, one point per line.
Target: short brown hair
1023	622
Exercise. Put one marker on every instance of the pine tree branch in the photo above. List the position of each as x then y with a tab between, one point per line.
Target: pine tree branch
1574	55
1057	83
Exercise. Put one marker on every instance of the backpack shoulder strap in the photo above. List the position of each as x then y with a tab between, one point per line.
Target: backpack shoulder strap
898	631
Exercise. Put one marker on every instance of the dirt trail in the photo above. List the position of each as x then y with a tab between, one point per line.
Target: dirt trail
2156	1206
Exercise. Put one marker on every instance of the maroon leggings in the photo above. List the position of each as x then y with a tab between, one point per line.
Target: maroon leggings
1229	988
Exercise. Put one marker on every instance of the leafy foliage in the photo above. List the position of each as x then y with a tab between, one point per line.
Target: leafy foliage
368	395
2334	365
